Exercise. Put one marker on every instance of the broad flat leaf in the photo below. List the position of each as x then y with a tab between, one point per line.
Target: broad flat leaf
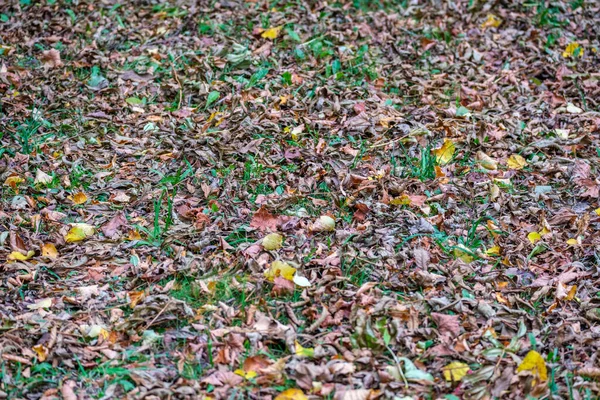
412	373
463	112
491	22
13	181
78	232
271	33
44	303
272	241
282	269
291	394
572	242
444	154
534	363
323	224
301	281
134	100
245	374
42	178
16	255
304	351
486	161
534	237
78	198
41	351
573	50
455	371
493	251
212	97
516	162
49	250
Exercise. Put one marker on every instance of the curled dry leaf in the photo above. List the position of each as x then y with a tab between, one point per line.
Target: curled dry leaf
323	224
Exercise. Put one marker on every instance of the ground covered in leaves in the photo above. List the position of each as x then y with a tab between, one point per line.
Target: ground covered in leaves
296	199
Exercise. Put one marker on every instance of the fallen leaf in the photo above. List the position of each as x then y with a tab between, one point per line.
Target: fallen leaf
135	297
573	49
112	227
51	58
78	232
534	237
447	324
263	220
42	178
444	154
301	281
13	181
516	162
18	256
323	224
41	351
304	351
282	269
272	241
271	33
49	250
246	374
291	394
455	371
491	22
534	363
486	161
44	303
78	198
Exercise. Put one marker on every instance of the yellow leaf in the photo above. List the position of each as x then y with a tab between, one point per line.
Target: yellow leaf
78	232
78	198
455	371
135	297
291	394
486	161
516	162
403	200
534	363
444	154
13	181
245	374
271	33
463	253
16	255
597	211
304	351
572	242
571	49
493	251
534	237
572	293
49	250
279	268
491	22
41	351
272	241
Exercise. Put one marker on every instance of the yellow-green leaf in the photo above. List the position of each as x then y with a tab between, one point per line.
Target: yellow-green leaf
304	351
573	49
516	162
534	363
78	198
44	303
245	374
534	237
13	181
280	268
291	394
572	242
272	241
455	371
16	255
444	154
491	22
271	33
78	232
486	161
493	251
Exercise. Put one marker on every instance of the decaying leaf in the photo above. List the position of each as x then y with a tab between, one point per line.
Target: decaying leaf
444	154
535	364
79	232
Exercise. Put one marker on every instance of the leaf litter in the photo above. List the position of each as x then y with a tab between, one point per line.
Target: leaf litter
293	200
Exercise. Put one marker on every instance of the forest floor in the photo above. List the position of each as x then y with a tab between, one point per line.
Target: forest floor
299	199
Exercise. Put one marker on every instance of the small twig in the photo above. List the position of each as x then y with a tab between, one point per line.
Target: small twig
319	320
180	86
157	315
399	366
